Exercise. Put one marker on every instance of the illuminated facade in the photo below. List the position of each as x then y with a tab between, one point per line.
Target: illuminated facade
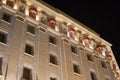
38	42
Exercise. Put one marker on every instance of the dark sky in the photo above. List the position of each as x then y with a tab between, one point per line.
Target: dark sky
102	17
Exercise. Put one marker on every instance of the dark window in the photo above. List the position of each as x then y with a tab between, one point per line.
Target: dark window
52	39
29	49
76	68
103	64
53	59
27	74
3	37
73	49
0	66
90	57
93	76
6	17
106	79
53	78
31	29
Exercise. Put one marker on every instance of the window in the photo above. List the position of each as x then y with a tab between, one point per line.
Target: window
52	39
0	66
76	68
29	49
73	49
3	37
53	78
93	76
106	78
103	64
90	57
27	74
53	59
31	29
6	17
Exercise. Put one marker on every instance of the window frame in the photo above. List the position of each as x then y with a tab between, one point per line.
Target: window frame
53	59
31	29
73	49
4	41
52	40
76	68
30	73
5	17
90	57
27	51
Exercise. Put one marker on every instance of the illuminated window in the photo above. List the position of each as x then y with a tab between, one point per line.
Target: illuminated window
103	64
33	11
76	68
90	57
11	3
73	49
29	49
53	59
6	17
27	74
52	40
93	76
31	29
3	38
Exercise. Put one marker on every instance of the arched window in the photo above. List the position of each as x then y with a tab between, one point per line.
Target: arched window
52	23
11	3
33	11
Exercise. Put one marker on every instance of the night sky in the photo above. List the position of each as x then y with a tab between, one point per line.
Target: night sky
102	17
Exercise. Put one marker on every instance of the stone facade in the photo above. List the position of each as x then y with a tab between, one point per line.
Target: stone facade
38	42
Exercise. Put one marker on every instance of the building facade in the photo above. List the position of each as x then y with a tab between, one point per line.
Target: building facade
39	42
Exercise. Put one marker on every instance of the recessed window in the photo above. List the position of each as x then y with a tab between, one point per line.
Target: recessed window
27	74
31	29
90	57
52	40
51	78
0	66
93	76
29	49
103	64
73	49
53	59
3	37
107	78
76	68
6	17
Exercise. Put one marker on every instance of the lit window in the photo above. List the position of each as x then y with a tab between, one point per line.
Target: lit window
29	49
103	64
31	29
27	74
11	3
52	39
0	66
53	59
6	17
90	57
93	76
53	78
76	68
3	37
33	11
73	49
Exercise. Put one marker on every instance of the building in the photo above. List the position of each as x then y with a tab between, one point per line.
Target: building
39	42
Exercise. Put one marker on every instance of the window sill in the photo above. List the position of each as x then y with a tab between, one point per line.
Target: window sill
53	65
29	55
2	44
